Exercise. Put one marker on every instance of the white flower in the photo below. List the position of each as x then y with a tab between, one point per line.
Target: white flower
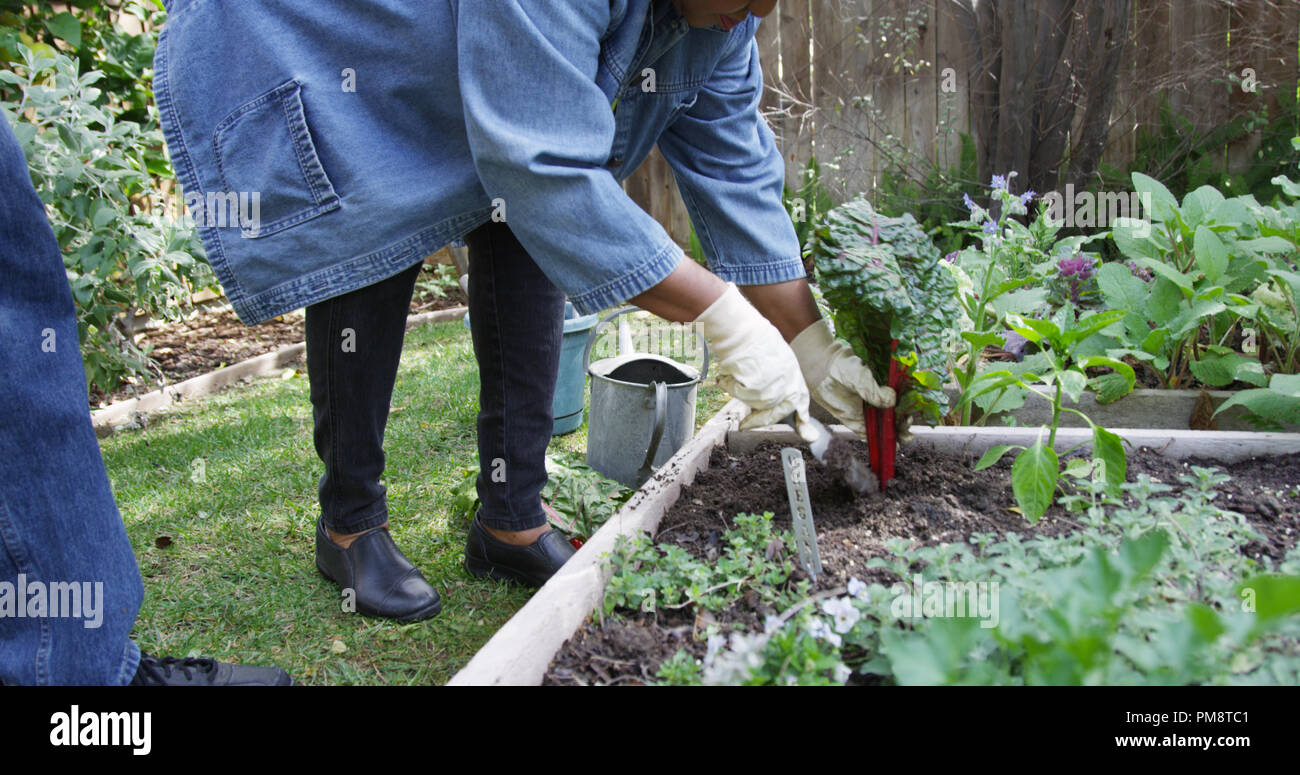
842	673
858	589
737	663
818	629
772	623
715	643
846	615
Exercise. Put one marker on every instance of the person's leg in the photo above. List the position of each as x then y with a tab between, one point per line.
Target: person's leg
58	522
62	541
517	321
354	345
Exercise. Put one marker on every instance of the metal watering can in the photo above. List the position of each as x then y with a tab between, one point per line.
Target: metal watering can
642	408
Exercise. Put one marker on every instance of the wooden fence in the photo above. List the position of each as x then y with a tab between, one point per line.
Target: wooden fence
861	83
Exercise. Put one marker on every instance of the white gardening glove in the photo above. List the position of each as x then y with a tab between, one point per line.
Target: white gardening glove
755	364
837	378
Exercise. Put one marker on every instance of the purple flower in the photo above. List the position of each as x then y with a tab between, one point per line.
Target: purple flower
1014	344
989	228
1077	273
999	183
1027	197
951	257
1142	274
970	203
1079	265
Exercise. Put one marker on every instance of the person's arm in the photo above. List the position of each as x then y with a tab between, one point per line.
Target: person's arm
539	129
731	174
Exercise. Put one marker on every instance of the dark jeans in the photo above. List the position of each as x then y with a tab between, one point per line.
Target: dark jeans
354	343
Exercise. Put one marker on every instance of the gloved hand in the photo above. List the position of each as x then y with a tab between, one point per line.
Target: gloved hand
837	378
755	363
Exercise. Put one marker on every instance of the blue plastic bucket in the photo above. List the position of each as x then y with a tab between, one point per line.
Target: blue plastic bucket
570	383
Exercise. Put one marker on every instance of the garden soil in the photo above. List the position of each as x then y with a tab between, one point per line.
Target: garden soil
934	498
214	338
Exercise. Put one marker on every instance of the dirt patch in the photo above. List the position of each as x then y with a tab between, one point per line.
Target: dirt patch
214	338
934	498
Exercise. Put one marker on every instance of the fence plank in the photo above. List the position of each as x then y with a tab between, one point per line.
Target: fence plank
1178	49
920	86
952	106
796	68
843	57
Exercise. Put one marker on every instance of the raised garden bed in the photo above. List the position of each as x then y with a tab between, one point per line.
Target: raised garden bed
937	500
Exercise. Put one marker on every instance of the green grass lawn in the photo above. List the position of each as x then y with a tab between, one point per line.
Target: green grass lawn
219	500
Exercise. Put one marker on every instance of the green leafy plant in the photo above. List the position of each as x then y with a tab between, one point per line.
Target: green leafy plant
1270	407
581	496
116	38
1204	255
884	281
585	497
437	280
1153	587
92	171
892	301
1036	471
1278	318
650	577
1004	276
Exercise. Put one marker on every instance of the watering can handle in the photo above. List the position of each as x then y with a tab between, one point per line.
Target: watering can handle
595	330
661	414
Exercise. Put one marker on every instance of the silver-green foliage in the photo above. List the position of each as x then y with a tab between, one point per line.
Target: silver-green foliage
91	172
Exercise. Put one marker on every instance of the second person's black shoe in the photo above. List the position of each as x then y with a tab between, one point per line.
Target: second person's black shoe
171	671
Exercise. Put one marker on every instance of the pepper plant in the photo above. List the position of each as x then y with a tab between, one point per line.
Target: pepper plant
1036	472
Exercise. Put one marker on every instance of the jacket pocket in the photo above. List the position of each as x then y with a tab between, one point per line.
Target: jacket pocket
264	152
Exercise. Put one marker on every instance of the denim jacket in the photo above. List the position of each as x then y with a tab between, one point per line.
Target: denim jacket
326	145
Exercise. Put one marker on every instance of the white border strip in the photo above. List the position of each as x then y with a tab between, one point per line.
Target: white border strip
1224	446
205	384
523	648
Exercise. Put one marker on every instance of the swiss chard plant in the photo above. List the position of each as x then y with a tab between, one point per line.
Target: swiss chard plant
893	302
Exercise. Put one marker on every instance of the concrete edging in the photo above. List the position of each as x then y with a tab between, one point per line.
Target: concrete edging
1226	446
519	653
123	412
1142	408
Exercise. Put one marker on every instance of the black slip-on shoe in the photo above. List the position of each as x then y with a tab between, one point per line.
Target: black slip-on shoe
383	581
486	557
170	671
